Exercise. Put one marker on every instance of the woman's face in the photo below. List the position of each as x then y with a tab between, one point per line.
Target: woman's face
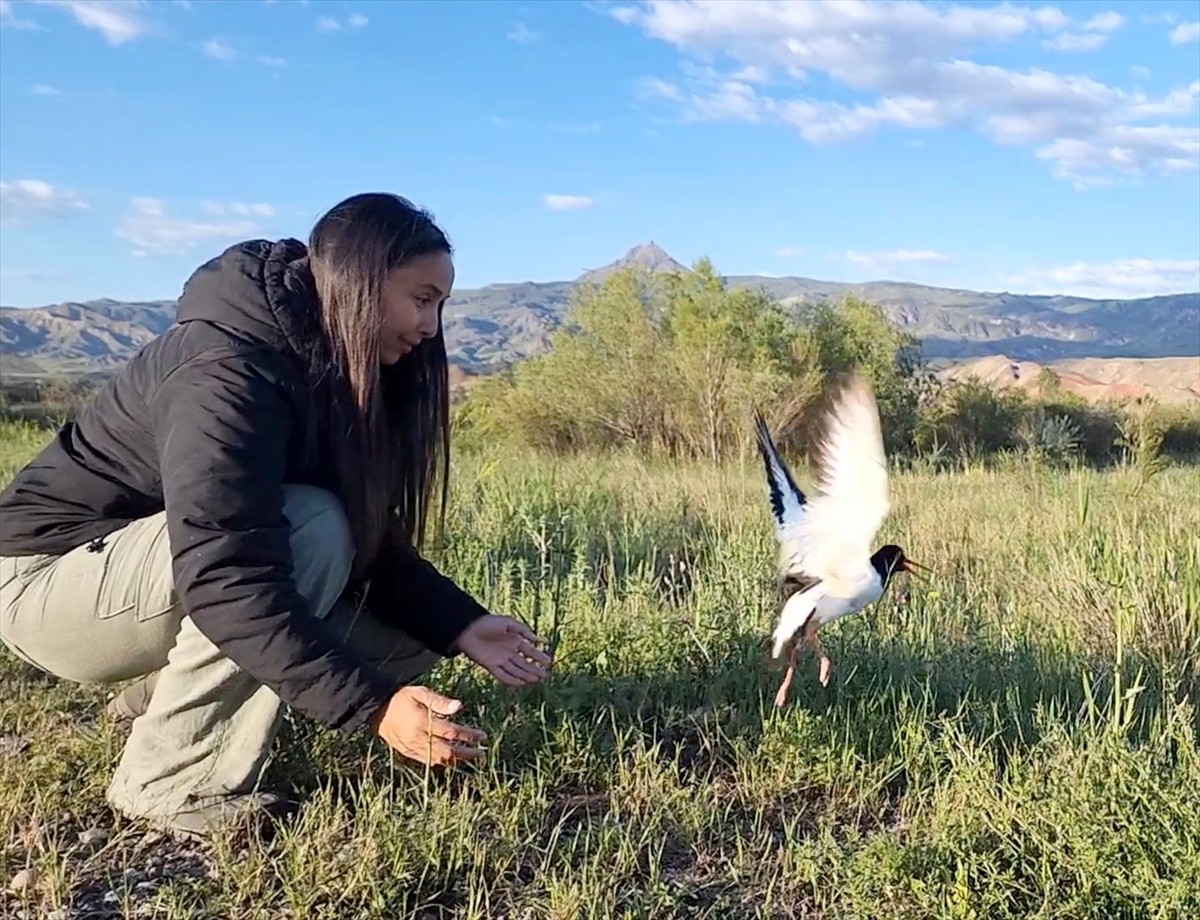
413	295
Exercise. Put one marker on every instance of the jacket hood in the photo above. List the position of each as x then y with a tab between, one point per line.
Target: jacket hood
262	289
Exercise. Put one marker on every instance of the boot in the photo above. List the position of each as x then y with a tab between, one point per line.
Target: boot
133	700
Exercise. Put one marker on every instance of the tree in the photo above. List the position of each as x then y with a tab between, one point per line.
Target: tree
725	346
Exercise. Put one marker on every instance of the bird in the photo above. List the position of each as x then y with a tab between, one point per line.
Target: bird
826	568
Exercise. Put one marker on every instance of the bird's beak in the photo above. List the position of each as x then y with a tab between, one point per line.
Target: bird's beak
909	567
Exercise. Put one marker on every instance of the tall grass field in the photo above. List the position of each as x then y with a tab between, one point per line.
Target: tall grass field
1014	737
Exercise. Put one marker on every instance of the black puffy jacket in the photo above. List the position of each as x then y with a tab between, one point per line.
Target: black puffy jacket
208	421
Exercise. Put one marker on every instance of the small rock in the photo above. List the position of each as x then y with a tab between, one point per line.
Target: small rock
111	897
23	881
93	837
59	913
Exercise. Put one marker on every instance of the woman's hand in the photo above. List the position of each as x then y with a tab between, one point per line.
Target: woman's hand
506	649
412	723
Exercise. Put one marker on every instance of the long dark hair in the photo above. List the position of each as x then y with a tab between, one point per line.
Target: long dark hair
387	427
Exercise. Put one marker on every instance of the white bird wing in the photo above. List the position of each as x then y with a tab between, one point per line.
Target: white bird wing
831	540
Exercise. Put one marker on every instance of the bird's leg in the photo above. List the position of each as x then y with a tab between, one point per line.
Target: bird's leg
810	638
781	695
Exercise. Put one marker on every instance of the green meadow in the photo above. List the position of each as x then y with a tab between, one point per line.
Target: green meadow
1014	737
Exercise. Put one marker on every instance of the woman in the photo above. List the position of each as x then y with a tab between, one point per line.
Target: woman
235	520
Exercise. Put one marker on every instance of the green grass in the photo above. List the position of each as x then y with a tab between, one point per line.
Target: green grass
1016	738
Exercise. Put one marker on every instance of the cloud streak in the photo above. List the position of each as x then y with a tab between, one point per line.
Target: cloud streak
1121	278
523	35
567	202
218	50
911	62
152	230
1184	33
26	199
119	21
353	22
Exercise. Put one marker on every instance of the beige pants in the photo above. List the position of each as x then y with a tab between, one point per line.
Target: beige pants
103	617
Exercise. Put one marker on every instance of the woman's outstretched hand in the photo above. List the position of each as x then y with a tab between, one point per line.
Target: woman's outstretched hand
506	649
413	724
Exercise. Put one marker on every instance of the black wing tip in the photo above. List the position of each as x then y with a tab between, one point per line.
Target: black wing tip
772	459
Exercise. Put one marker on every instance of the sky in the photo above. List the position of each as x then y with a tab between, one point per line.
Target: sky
1041	148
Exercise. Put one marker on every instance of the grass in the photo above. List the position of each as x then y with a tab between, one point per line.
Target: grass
1016	738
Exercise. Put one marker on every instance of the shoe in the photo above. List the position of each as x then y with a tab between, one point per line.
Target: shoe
133	700
203	816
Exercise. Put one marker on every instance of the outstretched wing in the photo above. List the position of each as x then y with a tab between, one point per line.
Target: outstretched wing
832	539
787	501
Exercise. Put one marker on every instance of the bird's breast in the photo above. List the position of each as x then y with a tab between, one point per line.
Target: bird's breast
832	606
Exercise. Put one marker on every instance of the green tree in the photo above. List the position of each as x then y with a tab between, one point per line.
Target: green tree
857	334
726	348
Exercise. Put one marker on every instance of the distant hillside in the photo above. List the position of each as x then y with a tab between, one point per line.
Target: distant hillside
495	325
1169	381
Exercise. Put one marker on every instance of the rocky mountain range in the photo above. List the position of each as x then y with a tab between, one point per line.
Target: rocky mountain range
495	325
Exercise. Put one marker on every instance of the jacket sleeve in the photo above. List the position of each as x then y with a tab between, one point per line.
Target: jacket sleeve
222	428
410	593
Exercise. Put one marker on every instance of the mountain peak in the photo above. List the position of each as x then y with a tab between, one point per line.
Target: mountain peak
649	256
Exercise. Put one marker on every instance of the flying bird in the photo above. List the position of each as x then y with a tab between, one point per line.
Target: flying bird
827	569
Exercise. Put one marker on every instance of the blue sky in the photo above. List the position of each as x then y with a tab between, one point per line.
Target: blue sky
1034	148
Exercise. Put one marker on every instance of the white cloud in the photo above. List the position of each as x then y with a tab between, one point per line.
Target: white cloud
1076	41
119	21
579	127
31	198
1184	32
1122	278
267	61
911	62
894	258
238	208
1105	22
353	22
45	89
152	230
216	48
653	87
523	35
790	252
1096	33
567	202
10	20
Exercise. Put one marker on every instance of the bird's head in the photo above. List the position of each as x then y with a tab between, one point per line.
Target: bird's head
890	559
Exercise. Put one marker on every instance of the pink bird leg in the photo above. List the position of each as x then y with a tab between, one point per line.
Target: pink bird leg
781	695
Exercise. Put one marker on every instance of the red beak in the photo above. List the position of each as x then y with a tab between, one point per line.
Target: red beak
909	567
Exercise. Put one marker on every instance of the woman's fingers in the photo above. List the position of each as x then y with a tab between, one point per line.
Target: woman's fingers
439	752
504	673
523	631
529	650
451	731
526	670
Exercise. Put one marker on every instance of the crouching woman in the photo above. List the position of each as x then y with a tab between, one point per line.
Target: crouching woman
235	520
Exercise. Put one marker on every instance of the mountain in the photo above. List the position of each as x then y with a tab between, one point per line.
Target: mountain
649	256
495	325
1169	381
